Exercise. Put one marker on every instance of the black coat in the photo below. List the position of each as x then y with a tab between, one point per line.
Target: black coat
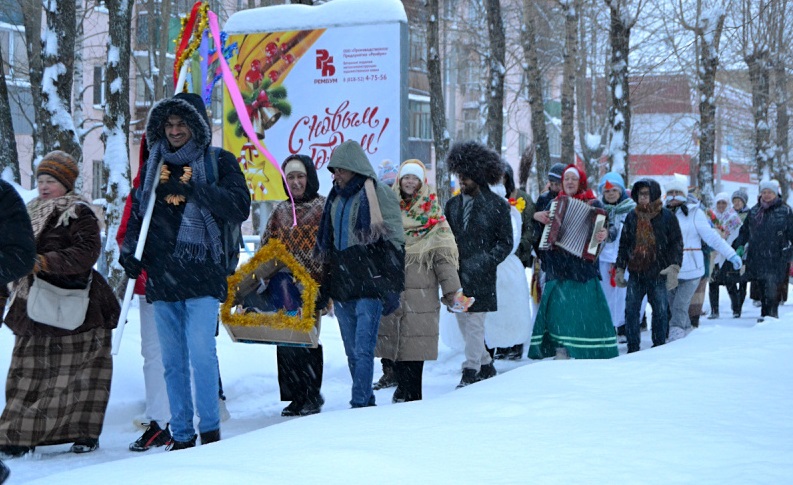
769	241
668	242
173	279
486	242
17	247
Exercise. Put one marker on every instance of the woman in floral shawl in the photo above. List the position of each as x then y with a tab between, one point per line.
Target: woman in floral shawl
728	223
409	336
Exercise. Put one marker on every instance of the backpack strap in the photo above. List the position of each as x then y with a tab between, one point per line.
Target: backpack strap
211	163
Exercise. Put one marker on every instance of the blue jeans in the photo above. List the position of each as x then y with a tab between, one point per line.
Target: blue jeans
187	337
359	321
655	289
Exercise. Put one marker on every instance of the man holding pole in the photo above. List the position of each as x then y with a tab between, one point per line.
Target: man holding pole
198	188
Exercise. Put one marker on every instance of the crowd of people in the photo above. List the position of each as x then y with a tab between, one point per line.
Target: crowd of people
388	259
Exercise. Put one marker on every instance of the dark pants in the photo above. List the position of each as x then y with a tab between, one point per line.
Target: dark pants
408	376
737	292
299	373
769	297
655	289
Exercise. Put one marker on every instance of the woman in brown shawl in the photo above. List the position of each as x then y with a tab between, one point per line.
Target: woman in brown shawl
409	336
59	380
299	368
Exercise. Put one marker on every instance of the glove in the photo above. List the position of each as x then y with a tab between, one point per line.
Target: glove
390	303
132	266
671	273
461	302
736	262
619	276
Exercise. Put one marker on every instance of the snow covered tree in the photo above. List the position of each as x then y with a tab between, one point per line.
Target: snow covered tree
591	112
58	40
707	28
496	60
780	39
116	131
542	151
622	19
8	144
570	10
440	133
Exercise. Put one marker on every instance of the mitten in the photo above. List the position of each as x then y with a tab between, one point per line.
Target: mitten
132	266
619	277
736	262
671	273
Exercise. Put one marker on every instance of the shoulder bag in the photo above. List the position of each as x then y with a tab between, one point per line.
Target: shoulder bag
58	307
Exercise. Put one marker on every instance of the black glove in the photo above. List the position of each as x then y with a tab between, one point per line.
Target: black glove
390	303
132	266
174	187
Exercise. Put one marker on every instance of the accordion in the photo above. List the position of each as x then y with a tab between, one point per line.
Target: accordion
573	226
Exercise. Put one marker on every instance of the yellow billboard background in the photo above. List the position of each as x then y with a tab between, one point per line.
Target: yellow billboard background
261	65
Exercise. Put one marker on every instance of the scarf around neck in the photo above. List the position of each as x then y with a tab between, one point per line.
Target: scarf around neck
40	211
622	207
426	230
644	249
369	225
198	232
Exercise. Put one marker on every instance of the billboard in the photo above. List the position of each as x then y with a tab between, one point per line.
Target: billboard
309	89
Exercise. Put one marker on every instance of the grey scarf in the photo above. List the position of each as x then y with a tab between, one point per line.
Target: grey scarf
198	231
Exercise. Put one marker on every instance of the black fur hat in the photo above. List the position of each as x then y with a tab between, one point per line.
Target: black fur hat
655	189
190	107
475	161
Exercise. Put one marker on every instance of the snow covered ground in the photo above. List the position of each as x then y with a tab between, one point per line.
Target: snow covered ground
712	408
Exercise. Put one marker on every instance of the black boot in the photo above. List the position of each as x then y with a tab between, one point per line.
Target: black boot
210	437
313	405
388	379
487	371
85	445
470	376
182	445
153	436
15	450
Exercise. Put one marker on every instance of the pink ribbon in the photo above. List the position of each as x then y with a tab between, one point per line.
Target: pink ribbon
239	105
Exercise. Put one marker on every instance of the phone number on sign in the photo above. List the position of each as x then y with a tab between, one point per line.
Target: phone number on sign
363	79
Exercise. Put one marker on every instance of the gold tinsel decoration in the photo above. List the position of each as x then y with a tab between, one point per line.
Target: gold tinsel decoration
200	27
274	249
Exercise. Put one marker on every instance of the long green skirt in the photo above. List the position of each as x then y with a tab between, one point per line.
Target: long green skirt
575	316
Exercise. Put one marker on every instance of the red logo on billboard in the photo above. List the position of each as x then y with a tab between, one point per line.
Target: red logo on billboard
325	63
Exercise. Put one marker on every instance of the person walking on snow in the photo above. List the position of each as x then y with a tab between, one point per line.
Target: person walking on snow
200	189
695	228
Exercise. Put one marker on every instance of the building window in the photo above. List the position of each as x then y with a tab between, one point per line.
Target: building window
523	142
97	187
471	124
99	86
420	121
12	43
418	49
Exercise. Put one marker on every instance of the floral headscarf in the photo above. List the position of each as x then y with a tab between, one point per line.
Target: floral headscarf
426	231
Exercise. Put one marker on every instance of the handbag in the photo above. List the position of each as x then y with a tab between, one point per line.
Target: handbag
58	307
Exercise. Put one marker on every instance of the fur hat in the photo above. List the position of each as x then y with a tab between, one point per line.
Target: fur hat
678	183
722	197
61	166
190	107
769	185
655	189
475	161
743	196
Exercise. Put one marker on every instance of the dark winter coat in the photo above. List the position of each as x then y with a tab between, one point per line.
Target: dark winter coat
666	229
364	269
483	245
17	246
171	278
526	230
769	237
71	252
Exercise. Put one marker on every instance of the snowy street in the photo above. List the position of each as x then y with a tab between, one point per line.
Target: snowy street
711	408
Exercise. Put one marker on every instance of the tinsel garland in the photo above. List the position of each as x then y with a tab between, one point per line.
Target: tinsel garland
193	31
274	249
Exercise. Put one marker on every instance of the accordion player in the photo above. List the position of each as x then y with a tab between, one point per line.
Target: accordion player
573	227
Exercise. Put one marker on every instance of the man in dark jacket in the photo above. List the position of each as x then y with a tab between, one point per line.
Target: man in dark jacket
362	246
200	189
482	227
17	250
651	249
767	233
